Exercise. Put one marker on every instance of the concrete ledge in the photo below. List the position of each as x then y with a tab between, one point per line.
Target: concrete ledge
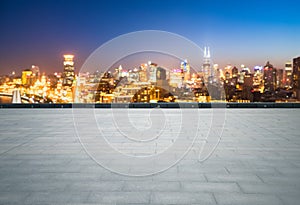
157	105
21	105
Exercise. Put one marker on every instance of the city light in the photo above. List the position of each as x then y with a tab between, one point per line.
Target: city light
151	83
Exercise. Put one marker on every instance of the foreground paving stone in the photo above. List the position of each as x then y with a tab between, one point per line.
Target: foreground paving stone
237	199
256	162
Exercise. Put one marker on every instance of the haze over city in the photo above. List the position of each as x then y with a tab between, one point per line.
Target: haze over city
238	32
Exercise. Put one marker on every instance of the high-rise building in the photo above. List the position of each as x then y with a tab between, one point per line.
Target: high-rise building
234	72
206	67
288	77
269	78
176	78
258	79
35	70
26	77
245	69
143	72
217	73
68	74
152	72
279	78
296	77
161	78
185	67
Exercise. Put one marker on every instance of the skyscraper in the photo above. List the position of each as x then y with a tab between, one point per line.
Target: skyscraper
207	70
26	77
288	77
68	74
185	67
269	78
258	79
152	72
296	77
234	72
35	73
279	78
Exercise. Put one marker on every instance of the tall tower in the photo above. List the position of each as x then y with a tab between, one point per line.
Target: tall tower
269	78
35	70
26	77
288	74
206	67
296	77
68	74
185	67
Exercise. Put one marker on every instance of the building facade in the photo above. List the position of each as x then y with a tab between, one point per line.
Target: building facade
296	77
269	78
68	74
288	74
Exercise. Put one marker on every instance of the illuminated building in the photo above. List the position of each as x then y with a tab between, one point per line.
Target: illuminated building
228	70
217	72
143	73
176	78
185	67
234	72
152	94
245	69
247	87
279	78
241	77
206	67
122	72
152	72
105	87
269	78
227	75
296	77
68	74
288	77
258	79
161	78
119	70
26	77
258	69
35	71
133	75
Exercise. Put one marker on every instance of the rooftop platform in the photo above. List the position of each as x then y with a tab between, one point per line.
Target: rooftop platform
43	161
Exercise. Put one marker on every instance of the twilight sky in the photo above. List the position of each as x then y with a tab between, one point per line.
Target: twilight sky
238	32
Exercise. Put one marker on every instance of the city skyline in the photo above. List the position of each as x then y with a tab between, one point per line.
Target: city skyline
153	82
40	32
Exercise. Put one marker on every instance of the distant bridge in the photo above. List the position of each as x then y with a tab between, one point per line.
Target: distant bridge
11	96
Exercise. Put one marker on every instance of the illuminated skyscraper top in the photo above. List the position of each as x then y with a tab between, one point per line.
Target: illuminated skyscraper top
207	69
206	53
68	74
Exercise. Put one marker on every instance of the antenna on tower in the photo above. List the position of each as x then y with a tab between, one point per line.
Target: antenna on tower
204	55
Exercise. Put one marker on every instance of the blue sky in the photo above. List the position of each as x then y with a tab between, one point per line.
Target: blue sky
238	32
